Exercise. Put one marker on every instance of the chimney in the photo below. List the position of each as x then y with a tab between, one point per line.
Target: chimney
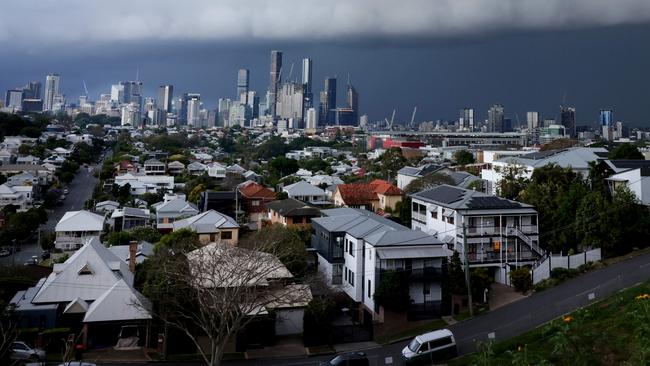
133	249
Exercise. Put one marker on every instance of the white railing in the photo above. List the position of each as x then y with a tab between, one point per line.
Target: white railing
542	270
525	238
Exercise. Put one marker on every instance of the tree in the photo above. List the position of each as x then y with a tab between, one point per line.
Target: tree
24	149
195	194
464	157
47	241
512	182
282	166
391	161
292	242
480	280
318	318
521	279
457	284
214	292
593	222
625	151
392	291
428	181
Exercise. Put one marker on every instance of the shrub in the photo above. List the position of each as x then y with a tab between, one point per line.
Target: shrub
520	279
393	292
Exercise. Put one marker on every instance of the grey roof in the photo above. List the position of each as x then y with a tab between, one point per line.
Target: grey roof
575	157
303	188
135	212
619	166
460	198
420	171
372	228
462	179
153	162
292	207
207	222
175	205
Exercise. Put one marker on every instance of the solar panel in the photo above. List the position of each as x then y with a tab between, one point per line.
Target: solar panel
491	202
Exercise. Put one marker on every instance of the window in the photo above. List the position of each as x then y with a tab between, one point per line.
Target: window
226	235
439	342
337	273
255	203
533	220
434	214
351	247
85	270
369	288
351	278
345	269
450	219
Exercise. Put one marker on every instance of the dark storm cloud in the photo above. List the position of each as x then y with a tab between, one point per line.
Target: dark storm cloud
29	23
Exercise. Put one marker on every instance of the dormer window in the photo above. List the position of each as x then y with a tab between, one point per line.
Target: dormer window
85	270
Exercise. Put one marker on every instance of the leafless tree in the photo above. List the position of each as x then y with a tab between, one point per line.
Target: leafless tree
213	292
8	333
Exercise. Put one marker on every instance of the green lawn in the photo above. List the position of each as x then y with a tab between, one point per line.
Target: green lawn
614	331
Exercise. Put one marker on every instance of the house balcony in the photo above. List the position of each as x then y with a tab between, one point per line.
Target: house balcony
498	257
417	274
479	231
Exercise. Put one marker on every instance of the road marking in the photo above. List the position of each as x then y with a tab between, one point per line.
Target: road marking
591	296
388	360
492	335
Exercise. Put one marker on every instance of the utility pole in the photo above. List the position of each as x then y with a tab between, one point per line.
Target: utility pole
467	276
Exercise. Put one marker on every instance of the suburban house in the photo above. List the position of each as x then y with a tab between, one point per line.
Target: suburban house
307	193
28	160
143	250
291	212
167	212
176	168
196	168
216	170
356	248
154	167
141	184
123	167
287	300
378	195
633	174
501	234
92	292
576	158
250	175
226	202
104	207
212	226
21	196
129	217
254	199
76	227
62	152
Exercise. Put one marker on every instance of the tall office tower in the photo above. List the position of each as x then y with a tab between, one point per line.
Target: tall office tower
32	90
606	117
52	82
242	85
363	120
181	109
466	118
149	104
14	98
495	118
276	69
131	115
327	105
353	102
307	69
290	101
223	112
238	115
132	92
532	120
253	104
311	119
568	120
193	111
117	93
165	97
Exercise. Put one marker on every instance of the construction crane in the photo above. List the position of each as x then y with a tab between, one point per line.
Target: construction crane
85	88
290	72
389	125
415	109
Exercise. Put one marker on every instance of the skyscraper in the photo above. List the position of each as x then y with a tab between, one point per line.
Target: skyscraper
165	97
242	85
253	104
32	90
353	103
52	82
117	93
276	69
532	120
328	102
568	120
495	118
307	66
290	101
606	117
193	109
311	120
466	119
223	113
14	98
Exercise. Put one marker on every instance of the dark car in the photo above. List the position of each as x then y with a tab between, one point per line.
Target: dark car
348	359
45	255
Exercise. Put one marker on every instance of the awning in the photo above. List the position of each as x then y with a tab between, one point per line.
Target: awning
405	253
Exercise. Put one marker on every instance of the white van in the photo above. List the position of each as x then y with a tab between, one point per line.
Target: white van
431	347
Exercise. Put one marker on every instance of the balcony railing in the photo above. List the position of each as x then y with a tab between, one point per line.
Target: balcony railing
486	230
497	257
426	273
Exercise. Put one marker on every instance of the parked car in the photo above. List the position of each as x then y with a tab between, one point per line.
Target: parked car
66	191
21	351
45	255
348	359
428	348
77	363
4	253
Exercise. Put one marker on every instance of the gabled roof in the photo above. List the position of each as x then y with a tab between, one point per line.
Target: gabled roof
463	199
120	302
68	282
176	205
143	251
420	171
80	221
292	207
303	188
153	162
196	166
618	166
176	164
207	222
357	193
575	157
235	168
76	306
254	190
385	188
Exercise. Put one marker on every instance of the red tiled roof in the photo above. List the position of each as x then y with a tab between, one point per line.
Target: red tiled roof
357	194
124	164
254	190
385	188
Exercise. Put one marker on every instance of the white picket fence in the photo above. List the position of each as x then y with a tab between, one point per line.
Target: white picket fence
543	268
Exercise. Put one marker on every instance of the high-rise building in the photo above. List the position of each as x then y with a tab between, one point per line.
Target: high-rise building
311	121
307	70
14	98
290	101
568	120
165	97
495	118
193	110
276	69
466	119
327	105
117	93
223	113
532	120
131	115
242	85
52	82
254	104
606	117
353	103
363	120
32	90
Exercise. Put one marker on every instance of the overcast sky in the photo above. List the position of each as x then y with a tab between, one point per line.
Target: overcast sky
438	54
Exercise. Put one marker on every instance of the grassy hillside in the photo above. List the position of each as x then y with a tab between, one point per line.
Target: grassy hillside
614	331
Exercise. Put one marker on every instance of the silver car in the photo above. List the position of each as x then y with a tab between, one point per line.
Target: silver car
21	351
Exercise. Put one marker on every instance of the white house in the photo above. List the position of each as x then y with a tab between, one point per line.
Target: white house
196	168
576	158
168	212
500	233
306	192
216	170
154	167
62	152
76	227
410	173
355	248
633	174
21	196
141	184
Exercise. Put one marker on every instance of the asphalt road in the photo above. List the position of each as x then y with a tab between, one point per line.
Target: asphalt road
80	190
